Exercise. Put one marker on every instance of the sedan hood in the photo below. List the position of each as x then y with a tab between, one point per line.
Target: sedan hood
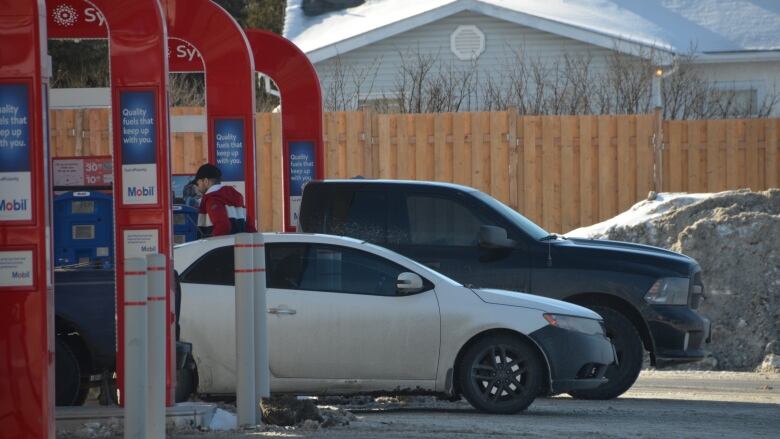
544	304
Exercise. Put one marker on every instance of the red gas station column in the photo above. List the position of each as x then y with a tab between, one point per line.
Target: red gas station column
138	44
26	299
290	69
202	37
299	87
139	106
230	86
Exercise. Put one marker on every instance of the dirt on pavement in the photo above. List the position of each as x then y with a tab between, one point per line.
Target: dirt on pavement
676	404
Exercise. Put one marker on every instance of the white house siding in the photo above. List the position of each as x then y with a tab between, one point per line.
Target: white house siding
764	77
501	39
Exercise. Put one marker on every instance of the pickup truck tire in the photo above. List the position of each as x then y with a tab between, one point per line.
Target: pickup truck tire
630	353
186	382
68	388
504	386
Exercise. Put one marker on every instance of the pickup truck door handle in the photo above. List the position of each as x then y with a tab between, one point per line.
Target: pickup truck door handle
282	311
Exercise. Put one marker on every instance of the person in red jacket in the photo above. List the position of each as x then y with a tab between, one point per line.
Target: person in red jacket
222	210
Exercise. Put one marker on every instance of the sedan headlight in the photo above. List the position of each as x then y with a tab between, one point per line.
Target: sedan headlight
669	291
577	324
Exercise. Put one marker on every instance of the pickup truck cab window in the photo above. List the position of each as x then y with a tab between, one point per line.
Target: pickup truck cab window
523	223
435	220
360	214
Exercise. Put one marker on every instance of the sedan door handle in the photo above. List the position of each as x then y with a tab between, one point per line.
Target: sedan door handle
282	311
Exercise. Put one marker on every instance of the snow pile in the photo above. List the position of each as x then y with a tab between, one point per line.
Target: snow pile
640	213
734	237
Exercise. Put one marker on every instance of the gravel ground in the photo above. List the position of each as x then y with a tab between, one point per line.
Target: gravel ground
689	404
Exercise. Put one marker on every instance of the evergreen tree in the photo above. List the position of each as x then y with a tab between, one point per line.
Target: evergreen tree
236	8
79	63
266	14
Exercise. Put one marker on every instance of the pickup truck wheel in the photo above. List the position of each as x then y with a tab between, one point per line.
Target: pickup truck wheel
68	388
500	375
630	353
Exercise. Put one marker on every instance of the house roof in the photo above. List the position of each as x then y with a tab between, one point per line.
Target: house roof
717	30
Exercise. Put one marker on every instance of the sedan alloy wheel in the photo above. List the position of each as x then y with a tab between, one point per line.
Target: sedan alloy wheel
500	375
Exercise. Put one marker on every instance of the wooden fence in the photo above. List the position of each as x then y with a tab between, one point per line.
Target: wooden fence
562	172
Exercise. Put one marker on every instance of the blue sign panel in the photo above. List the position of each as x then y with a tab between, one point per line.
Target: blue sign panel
137	120
15	172
229	145
14	128
302	164
138	127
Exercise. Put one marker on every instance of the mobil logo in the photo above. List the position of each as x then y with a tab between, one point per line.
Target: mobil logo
21	275
149	248
140	191
16	205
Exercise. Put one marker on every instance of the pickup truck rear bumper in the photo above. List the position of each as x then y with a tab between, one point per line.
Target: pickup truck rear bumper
680	334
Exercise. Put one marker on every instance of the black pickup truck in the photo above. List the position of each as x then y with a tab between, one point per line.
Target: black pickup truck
85	337
85	330
647	296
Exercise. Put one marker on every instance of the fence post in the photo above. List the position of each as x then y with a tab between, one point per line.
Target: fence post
136	342
262	374
658	149
246	398
156	266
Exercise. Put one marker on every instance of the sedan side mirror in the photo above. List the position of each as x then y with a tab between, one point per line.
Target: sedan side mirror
409	283
492	237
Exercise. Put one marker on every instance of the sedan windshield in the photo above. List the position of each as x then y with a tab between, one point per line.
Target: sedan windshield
528	226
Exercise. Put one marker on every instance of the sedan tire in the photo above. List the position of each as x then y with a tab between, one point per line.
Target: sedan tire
501	375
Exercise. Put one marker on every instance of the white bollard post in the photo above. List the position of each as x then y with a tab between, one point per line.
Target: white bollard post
156	292
134	396
262	373
246	399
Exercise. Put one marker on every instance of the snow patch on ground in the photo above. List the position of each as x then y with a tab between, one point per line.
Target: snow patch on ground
223	421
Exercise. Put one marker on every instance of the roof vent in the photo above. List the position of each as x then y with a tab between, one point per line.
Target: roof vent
467	42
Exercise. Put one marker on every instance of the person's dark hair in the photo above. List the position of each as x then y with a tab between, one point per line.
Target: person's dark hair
208	171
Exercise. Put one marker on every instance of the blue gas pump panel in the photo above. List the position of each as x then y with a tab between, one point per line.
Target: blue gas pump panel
185	224
83	228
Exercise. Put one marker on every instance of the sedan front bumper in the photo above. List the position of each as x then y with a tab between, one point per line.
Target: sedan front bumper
577	361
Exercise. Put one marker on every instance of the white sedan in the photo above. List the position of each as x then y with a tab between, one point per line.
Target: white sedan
351	317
